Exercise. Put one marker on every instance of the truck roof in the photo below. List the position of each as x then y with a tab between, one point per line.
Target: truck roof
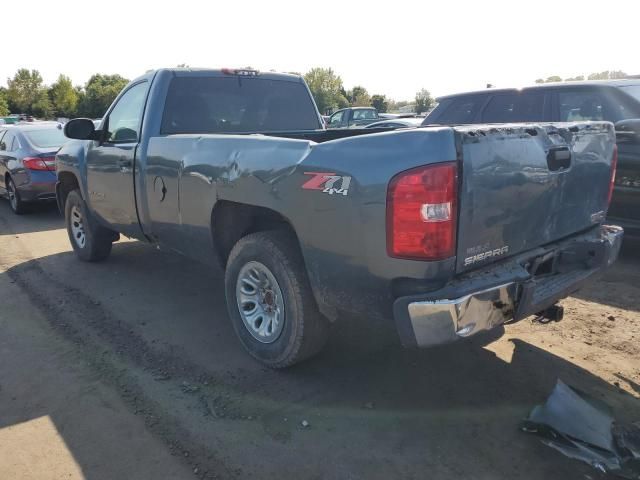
612	83
180	71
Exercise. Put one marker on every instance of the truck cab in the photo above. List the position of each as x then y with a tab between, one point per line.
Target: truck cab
353	117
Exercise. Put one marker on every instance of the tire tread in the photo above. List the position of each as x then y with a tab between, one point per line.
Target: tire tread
312	329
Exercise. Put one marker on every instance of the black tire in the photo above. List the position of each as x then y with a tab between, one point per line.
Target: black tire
98	240
305	329
18	206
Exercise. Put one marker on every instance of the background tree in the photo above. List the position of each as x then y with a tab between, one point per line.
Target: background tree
41	106
344	93
326	88
615	74
4	105
359	97
23	90
379	102
607	75
64	97
424	101
99	93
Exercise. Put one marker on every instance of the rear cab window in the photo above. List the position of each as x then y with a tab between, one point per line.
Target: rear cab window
364	114
237	105
46	138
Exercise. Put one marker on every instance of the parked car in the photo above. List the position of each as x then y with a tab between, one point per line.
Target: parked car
397	123
10	120
616	101
449	230
353	117
27	162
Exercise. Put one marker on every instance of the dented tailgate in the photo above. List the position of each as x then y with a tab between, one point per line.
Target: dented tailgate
524	185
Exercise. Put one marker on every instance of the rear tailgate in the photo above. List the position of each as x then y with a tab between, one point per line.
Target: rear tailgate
524	186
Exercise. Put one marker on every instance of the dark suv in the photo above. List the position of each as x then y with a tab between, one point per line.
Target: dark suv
617	101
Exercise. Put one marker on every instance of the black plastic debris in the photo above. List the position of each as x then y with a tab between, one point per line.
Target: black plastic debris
582	427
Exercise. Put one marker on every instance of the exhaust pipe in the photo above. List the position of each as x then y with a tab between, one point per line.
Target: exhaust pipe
554	313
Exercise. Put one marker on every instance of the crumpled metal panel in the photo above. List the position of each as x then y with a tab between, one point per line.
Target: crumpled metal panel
582	427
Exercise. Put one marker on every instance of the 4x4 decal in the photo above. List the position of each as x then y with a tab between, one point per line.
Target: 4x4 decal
326	181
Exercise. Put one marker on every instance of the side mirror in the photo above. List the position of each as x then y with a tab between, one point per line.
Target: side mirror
629	127
81	129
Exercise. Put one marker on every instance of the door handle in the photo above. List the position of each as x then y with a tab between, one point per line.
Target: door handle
124	163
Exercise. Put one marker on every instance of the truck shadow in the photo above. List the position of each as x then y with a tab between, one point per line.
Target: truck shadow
379	410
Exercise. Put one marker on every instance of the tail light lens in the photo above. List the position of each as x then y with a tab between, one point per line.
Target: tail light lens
614	165
40	163
421	213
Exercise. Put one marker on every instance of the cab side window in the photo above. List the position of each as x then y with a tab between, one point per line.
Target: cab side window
580	105
462	110
2	132
336	119
124	121
514	108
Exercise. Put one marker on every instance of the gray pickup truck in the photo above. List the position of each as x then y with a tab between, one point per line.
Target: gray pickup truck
451	231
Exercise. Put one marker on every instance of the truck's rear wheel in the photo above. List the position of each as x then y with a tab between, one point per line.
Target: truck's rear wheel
90	241
270	301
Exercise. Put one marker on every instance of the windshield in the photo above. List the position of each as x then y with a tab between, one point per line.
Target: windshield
46	138
633	90
628	103
234	104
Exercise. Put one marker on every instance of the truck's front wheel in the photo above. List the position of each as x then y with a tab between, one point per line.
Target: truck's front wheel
270	301
90	241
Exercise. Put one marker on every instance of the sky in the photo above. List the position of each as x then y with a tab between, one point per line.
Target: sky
393	48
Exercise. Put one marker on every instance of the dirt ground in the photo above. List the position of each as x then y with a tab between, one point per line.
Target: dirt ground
130	369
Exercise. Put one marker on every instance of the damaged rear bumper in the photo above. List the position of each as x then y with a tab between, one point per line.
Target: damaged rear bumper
511	290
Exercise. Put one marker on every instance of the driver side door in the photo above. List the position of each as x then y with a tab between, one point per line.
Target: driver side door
110	163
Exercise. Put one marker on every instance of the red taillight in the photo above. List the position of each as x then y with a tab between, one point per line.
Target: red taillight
39	163
421	213
614	164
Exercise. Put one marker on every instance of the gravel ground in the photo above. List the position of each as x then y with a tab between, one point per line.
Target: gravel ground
130	369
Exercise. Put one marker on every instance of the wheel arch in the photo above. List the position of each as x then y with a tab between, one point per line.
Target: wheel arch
231	221
67	182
